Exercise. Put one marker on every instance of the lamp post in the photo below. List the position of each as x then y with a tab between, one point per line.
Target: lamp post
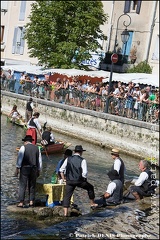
124	38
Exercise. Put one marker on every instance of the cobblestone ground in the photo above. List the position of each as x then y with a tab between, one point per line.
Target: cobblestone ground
124	222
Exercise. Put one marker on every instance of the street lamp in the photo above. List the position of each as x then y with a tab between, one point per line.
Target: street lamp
124	38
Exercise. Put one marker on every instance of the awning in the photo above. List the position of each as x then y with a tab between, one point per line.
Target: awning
141	78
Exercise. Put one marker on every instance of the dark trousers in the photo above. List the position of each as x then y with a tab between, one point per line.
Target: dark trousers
28	115
28	176
70	187
140	191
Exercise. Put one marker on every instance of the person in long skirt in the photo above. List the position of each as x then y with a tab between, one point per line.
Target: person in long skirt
34	126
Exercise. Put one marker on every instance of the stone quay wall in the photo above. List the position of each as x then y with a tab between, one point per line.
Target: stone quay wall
133	137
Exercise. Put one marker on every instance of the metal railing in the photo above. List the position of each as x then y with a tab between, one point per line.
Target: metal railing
118	106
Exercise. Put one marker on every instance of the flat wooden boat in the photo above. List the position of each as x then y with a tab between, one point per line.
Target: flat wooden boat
58	146
19	122
53	148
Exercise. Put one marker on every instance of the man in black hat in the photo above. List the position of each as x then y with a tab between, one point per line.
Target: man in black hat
29	164
75	168
112	196
29	109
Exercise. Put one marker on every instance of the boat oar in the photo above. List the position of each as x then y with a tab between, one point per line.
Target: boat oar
46	152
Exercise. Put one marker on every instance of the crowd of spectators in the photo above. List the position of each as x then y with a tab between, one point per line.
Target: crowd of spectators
127	100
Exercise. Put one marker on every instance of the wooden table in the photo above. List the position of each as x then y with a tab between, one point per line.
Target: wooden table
55	192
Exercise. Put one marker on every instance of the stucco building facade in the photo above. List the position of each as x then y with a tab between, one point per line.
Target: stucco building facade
143	20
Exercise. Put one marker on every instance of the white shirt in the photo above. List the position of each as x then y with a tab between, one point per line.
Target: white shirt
117	164
35	120
52	139
111	187
32	105
14	114
136	94
142	177
22	77
116	91
83	166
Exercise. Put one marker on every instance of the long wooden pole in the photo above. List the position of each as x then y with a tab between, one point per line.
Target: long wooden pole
43	145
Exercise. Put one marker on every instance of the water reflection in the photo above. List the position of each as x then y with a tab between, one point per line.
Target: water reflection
99	162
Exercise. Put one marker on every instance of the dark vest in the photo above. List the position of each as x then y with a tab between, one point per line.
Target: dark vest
121	171
46	136
31	155
116	196
28	107
73	169
32	123
150	183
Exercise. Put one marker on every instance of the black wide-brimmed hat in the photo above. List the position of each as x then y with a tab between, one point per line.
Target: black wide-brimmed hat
113	174
28	138
68	152
79	148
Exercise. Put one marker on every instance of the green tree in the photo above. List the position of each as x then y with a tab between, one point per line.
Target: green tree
60	31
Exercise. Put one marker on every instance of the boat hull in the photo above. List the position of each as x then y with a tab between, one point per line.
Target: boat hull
18	122
51	149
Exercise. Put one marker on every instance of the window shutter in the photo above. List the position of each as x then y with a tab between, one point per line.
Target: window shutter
138	7
155	55
18	43
19	34
14	40
22	42
22	11
127	6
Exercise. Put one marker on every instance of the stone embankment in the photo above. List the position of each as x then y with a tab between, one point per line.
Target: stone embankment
125	221
132	137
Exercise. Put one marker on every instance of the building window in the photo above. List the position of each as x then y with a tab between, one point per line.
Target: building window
22	11
134	5
18	41
4	6
131	6
2	34
155	55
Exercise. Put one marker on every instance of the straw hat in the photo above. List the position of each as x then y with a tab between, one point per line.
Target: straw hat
49	128
115	151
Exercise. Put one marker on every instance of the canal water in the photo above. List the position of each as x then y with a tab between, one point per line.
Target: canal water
99	162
